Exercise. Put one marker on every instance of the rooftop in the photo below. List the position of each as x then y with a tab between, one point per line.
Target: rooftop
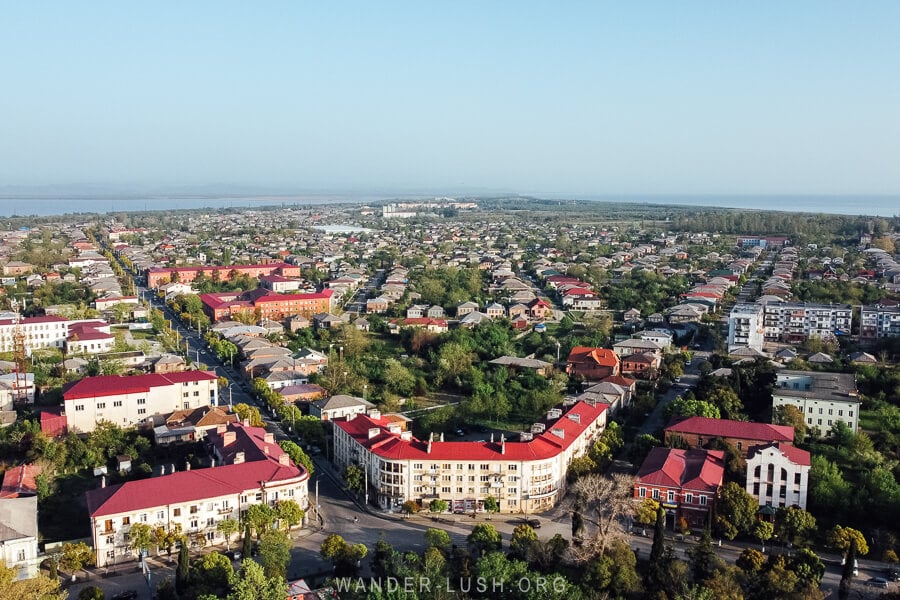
700	470
725	428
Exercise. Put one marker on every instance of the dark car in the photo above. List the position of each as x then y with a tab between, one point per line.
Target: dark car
879	582
893	574
126	595
533	523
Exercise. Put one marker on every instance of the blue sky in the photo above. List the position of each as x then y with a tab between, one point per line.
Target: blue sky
580	98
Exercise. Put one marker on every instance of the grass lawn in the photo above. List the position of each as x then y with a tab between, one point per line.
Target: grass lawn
868	420
143	335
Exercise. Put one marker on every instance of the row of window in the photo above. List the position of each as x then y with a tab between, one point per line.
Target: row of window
670	496
459	466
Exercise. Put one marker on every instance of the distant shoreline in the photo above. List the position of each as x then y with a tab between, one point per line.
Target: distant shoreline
46	205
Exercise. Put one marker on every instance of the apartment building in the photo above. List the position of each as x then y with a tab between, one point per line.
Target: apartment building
136	399
823	398
778	475
268	304
157	276
525	475
745	327
254	470
795	322
879	321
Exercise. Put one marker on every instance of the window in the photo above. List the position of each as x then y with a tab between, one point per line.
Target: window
670	496
193	523
21	555
176	512
143	517
79	407
810	410
111	540
117	403
471	467
186	394
111	554
142	411
210	535
830	411
850	413
448	466
195	509
197	393
101	405
485	467
655	494
142	401
689	498
210	522
126	520
445	490
740	445
820	421
797	478
513	467
642	492
703	500
160	515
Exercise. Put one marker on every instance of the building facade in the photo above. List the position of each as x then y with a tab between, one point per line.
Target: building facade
526	475
698	432
796	322
157	276
266	305
136	399
778	475
745	327
879	321
254	470
822	398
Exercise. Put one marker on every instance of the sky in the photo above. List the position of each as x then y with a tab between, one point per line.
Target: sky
573	98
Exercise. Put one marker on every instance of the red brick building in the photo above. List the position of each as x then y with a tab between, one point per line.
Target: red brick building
684	482
743	435
592	363
272	306
156	276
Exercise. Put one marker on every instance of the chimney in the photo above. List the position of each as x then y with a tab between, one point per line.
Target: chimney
502	444
229	438
374	431
239	458
212	462
284	459
559	432
430	439
103	481
221	428
406	435
269	438
246	422
442	436
187	466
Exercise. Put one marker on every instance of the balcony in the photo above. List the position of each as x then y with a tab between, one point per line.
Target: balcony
225	511
544	493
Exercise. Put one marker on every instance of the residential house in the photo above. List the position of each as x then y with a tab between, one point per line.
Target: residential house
685	482
465	308
515	363
778	475
190	425
338	406
592	363
19	535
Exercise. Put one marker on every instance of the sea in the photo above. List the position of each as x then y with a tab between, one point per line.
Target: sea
870	205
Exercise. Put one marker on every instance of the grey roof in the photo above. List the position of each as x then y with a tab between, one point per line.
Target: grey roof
341	401
18	518
526	363
823	386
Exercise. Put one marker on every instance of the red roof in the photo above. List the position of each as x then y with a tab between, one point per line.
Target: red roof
187	486
543	446
619	380
238	268
326	293
600	356
747	430
792	453
20	481
700	470
53	422
114	385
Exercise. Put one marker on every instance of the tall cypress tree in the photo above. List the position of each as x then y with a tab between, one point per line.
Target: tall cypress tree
182	572
656	551
847	574
577	517
248	542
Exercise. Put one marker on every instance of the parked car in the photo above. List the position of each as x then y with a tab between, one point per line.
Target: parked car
533	523
879	582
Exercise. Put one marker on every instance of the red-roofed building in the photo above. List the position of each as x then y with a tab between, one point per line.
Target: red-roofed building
697	432
778	475
270	305
89	337
592	363
527	474
53	422
20	481
156	276
685	482
136	399
253	470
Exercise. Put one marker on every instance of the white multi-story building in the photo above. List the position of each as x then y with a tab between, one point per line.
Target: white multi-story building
778	475
795	322
879	321
254	470
526	475
136	399
745	327
88	336
823	398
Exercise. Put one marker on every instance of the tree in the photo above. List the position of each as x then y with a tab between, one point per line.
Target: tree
704	560
793	523
751	560
788	414
75	557
260	518
763	531
659	539
522	543
91	592
847	571
182	571
140	537
228	527
354	477
610	500
275	553
735	510
438	506
841	538
211	574
438	538
245	412
410	507
577	518
297	455
691	407
251	583
345	557
484	539
645	512
247	548
289	513
491	505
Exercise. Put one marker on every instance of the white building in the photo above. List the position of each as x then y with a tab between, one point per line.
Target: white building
745	327
778	475
254	470
338	406
53	332
795	322
132	400
879	321
19	535
823	398
528	474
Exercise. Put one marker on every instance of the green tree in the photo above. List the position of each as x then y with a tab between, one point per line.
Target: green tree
454	359
245	412
251	583
345	557
260	517
751	560
691	407
140	537
491	505
275	553
763	530
438	538
840	538
438	506
289	513
659	539
228	527
182	571
410	507
735	511
523	542
788	414
577	518
704	560
75	557
91	592
484	539
247	548
297	455
354	477
211	574
793	523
